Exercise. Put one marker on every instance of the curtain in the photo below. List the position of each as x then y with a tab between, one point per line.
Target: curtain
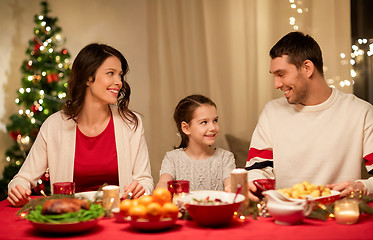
219	48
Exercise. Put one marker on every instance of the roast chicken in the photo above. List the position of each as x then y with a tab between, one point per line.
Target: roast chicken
64	205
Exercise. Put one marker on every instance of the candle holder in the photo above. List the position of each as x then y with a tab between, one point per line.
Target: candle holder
346	211
111	197
178	189
239	178
65	188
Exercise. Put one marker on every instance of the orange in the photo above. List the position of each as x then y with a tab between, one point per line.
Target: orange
135	202
137	211
154	211
170	210
125	206
145	200
161	196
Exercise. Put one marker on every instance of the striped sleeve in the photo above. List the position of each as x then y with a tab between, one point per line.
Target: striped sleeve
369	163
260	158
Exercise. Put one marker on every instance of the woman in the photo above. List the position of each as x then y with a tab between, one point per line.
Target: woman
90	141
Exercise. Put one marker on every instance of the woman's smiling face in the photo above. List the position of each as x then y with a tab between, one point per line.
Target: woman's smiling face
107	83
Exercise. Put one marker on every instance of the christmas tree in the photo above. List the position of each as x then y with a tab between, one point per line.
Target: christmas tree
44	84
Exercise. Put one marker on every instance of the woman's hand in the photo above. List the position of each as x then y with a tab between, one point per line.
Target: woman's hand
347	187
18	196
135	188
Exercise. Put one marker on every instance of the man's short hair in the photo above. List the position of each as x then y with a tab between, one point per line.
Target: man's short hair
299	48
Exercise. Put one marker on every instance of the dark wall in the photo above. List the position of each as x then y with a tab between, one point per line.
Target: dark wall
362	27
361	19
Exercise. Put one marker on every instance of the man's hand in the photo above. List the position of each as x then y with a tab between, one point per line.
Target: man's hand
252	190
347	187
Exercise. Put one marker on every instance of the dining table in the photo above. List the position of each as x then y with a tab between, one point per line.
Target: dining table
13	226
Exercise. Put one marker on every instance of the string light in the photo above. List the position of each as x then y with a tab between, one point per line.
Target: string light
299	9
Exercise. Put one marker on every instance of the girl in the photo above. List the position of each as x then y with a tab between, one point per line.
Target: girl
205	167
91	141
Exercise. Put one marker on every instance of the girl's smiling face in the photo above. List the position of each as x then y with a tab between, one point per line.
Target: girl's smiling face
107	83
203	128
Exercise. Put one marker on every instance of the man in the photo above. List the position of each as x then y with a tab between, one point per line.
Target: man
314	133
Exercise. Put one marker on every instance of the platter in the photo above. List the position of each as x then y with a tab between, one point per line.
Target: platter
334	196
90	195
145	225
65	227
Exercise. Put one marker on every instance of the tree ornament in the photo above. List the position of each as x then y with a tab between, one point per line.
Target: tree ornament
14	134
24	142
36	48
36	78
35	108
52	77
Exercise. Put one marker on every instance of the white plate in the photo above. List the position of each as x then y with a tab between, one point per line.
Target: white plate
330	198
90	195
334	195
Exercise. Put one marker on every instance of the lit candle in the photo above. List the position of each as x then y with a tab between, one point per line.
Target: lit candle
111	197
239	178
346	211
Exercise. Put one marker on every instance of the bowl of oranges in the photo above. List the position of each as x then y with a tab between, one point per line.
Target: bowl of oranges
149	212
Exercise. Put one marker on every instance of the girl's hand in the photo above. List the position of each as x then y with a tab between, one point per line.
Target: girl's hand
18	196
135	188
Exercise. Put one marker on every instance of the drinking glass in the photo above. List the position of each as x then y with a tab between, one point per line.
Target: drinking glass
111	197
66	188
178	189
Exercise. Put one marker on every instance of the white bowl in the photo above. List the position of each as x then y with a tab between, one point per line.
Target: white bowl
90	195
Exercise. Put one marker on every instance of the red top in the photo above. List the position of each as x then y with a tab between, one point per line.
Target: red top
95	160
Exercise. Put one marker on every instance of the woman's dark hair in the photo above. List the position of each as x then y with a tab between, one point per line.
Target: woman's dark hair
299	48
85	65
184	113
